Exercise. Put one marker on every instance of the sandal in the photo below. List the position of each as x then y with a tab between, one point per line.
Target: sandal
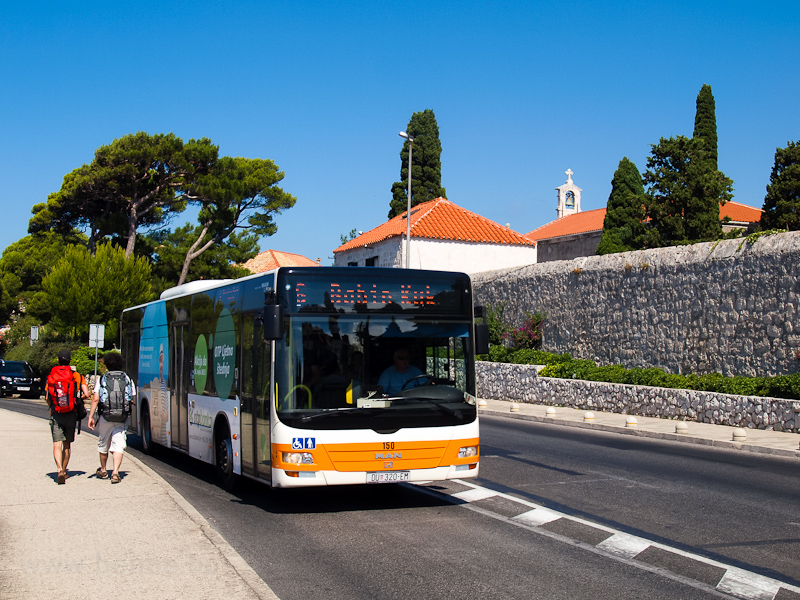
61	478
101	474
115	478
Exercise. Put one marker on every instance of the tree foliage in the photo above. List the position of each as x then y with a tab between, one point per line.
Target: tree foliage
136	180
705	125
23	266
623	227
782	202
426	165
167	251
238	193
84	289
684	194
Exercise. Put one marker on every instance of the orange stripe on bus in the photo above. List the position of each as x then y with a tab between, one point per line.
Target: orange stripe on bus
379	456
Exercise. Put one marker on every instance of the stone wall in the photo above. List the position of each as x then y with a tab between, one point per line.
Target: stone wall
730	306
522	384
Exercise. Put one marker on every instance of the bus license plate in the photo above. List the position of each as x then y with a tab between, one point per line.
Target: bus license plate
388	477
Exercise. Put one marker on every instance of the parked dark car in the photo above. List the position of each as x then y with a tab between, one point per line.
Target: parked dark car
18	377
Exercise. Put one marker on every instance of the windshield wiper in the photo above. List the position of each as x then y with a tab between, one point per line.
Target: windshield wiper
340	412
441	406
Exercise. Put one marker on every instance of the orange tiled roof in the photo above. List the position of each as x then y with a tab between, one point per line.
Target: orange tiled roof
592	220
582	222
272	259
741	213
440	219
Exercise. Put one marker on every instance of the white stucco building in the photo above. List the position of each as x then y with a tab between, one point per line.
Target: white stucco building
445	237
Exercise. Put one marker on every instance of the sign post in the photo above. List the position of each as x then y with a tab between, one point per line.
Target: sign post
34	333
97	334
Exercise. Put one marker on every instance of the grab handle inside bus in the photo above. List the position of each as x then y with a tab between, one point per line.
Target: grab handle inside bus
273	322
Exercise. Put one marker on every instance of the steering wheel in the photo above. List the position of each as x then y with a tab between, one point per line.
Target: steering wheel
431	381
302	387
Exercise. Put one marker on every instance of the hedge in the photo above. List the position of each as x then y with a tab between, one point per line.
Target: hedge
564	366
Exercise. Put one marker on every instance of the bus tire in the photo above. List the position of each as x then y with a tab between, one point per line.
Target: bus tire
148	447
227	477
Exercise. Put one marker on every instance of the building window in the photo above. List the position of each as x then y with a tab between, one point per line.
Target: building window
352	264
371	262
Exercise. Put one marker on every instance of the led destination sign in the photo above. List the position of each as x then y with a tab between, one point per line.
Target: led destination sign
343	294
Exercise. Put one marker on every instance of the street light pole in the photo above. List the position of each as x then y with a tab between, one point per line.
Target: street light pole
410	139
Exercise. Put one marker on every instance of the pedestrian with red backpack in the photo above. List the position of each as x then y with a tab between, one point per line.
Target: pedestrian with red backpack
63	387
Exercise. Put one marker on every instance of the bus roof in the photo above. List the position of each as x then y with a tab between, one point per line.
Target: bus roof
201	285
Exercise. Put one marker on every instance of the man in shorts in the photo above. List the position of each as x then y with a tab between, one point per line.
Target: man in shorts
62	425
111	436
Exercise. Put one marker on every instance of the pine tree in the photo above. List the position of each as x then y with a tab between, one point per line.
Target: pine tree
624	228
683	195
705	124
426	165
782	202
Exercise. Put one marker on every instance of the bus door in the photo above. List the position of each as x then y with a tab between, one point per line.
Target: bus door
179	416
255	404
130	350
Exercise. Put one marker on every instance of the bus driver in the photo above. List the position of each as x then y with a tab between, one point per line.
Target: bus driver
393	378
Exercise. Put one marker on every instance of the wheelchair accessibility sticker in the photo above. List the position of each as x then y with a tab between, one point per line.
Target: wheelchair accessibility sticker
304	443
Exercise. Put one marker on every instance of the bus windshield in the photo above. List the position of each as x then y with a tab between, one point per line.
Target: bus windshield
375	371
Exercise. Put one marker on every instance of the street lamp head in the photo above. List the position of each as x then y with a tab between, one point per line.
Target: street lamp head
403	134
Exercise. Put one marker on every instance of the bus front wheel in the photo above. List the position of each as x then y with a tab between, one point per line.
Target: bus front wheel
225	472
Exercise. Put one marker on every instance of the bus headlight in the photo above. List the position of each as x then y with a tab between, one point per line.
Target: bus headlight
298	458
467	451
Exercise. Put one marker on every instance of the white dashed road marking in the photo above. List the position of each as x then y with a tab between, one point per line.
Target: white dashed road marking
475	494
734	582
744	584
538	516
626	546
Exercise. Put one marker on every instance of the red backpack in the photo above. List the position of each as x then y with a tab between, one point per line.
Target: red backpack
62	390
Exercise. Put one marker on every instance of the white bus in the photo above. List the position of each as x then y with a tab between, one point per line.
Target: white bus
311	376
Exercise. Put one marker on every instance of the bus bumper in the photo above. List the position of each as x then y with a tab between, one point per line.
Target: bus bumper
290	479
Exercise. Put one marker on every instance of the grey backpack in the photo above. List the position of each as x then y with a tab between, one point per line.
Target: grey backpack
116	408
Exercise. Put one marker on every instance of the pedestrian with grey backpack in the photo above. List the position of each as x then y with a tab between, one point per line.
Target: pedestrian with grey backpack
113	394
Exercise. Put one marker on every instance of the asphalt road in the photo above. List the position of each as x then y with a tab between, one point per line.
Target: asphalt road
397	541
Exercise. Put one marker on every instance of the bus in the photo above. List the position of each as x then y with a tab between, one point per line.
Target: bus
281	377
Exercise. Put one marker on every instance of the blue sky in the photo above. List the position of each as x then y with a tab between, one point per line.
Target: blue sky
522	91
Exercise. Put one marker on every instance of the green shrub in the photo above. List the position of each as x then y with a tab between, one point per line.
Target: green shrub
494	320
564	367
43	356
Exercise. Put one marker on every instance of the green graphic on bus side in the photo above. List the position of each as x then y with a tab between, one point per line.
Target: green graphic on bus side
200	364
224	354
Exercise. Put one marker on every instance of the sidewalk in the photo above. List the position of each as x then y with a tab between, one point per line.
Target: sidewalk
61	541
776	443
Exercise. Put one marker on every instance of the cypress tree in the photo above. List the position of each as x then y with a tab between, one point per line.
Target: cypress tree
426	165
705	124
623	227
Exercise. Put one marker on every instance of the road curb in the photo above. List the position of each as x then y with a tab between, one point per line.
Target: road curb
674	437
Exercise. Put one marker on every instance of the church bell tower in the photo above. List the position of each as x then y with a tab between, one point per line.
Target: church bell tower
569	197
